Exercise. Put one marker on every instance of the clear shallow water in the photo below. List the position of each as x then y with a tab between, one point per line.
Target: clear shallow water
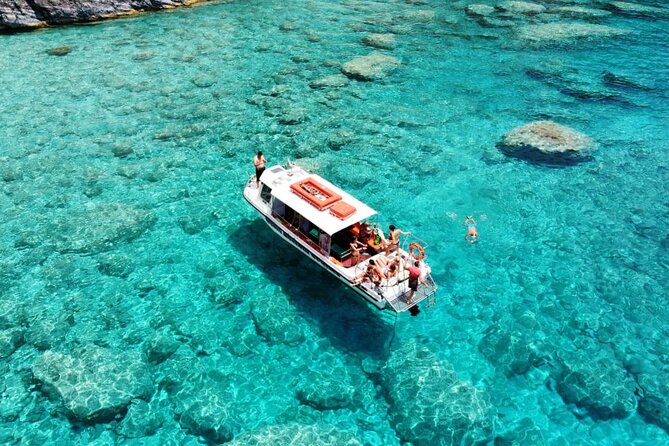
153	261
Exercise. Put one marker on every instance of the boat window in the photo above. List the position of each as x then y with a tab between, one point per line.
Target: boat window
279	208
265	193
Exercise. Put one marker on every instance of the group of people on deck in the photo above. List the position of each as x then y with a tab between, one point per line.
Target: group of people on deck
382	268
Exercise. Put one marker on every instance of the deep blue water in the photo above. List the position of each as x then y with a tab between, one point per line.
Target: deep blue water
127	248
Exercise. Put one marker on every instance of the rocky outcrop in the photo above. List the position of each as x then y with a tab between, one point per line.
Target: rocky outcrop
94	384
372	67
381	41
546	141
521	8
429	405
276	320
558	33
21	14
548	137
605	390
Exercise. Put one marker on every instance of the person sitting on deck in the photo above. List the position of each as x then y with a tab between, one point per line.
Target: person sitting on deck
372	274
365	232
356	246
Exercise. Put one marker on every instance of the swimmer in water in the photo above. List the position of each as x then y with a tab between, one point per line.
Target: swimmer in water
472	234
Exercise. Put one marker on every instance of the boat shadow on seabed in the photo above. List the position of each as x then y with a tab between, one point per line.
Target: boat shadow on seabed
346	321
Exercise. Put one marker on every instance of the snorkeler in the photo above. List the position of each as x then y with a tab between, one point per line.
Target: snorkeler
472	234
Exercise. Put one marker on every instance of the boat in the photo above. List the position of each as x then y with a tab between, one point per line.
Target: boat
321	220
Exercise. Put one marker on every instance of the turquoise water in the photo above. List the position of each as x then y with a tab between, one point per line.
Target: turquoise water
143	301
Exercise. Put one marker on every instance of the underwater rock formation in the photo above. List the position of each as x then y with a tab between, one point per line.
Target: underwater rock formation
372	67
97	228
600	387
554	33
654	402
381	41
21	14
521	8
429	405
93	383
276	321
637	10
510	350
313	435
332	81
546	142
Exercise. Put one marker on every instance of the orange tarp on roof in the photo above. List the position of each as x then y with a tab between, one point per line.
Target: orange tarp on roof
342	210
315	193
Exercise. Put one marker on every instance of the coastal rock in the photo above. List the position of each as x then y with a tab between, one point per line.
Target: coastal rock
333	81
318	434
554	33
276	320
521	8
17	14
381	41
429	405
100	227
372	67
545	137
637	10
654	401
94	384
604	389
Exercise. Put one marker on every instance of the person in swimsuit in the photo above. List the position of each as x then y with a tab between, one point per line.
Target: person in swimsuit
393	241
259	161
356	246
472	234
373	273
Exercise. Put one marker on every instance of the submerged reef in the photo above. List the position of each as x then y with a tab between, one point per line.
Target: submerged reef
429	404
546	142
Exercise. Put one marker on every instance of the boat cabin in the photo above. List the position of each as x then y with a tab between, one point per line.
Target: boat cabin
321	214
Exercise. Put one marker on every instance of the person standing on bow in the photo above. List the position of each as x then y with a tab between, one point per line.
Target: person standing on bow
259	162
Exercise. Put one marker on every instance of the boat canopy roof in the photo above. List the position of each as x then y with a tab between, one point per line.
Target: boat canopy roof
280	181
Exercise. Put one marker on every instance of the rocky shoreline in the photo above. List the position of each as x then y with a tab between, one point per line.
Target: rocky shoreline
17	15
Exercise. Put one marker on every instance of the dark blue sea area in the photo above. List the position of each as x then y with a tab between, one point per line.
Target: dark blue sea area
144	302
